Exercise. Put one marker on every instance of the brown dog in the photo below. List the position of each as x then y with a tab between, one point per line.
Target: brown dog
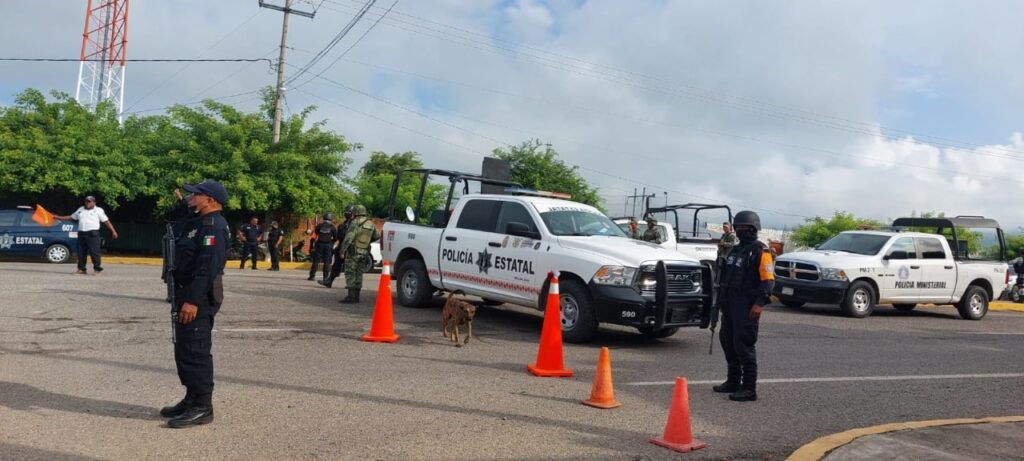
457	312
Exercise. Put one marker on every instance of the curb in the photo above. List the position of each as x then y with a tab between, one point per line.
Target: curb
158	262
820	447
1002	306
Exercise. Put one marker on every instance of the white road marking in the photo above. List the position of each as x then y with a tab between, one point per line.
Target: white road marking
840	379
1014	333
251	330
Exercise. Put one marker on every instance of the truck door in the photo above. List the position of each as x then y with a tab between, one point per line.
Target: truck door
903	270
466	259
938	271
517	257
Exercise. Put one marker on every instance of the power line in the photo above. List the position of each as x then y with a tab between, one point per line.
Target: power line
334	42
220	98
139	60
688	91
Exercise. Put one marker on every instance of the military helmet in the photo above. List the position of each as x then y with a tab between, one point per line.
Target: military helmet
350	209
359	210
748	218
328	216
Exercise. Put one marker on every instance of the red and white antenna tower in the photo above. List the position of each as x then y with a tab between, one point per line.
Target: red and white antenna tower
104	48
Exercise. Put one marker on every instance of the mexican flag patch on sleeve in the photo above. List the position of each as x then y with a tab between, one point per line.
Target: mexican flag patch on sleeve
208	240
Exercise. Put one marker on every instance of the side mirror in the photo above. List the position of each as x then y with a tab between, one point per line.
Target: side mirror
518	229
896	255
409	214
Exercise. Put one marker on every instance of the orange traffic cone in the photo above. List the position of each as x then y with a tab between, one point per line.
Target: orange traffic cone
601	393
382	328
549	355
678	435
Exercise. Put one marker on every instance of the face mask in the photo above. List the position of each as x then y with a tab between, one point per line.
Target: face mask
746	235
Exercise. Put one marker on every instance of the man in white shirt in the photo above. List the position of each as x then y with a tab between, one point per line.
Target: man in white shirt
89	218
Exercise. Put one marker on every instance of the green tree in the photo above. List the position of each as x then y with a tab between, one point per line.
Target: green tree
1015	244
536	165
375	179
817	230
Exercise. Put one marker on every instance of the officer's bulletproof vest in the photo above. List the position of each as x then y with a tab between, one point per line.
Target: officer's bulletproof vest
324	232
364	233
741	266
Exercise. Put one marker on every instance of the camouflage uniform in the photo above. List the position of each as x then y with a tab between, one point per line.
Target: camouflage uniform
356	247
726	245
651	233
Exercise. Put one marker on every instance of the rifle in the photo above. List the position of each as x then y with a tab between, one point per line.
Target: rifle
715	300
168	250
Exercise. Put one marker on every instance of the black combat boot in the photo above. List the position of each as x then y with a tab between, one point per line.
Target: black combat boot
727	387
743	395
179	408
201	412
327	282
352	298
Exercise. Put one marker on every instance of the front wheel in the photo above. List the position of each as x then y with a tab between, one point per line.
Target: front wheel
414	288
859	301
58	253
579	321
974	304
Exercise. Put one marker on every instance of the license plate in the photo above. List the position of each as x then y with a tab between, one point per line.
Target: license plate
787	291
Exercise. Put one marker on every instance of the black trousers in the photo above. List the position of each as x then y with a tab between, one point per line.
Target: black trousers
249	248
321	253
338	265
738	337
89	245
275	257
192	353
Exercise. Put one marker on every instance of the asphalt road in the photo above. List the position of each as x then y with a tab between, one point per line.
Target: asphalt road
85	362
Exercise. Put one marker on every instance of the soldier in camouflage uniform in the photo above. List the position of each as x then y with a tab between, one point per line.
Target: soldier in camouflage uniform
651	233
356	247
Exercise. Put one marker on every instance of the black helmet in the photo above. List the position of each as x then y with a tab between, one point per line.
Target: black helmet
748	218
328	216
350	209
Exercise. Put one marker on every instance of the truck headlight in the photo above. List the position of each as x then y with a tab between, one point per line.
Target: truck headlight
834	274
615	275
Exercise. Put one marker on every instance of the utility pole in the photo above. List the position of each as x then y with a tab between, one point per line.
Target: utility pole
279	89
636	196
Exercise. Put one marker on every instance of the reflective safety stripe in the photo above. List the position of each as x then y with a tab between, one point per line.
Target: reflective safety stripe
767	268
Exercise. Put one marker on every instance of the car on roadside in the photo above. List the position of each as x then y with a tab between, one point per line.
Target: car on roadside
21	236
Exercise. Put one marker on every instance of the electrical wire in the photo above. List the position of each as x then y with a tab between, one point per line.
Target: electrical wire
334	42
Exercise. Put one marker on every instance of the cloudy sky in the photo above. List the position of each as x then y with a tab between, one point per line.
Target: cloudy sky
793	109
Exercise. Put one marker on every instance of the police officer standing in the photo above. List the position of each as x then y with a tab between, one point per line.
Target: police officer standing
324	246
274	238
746	285
339	257
651	233
200	255
251	235
356	248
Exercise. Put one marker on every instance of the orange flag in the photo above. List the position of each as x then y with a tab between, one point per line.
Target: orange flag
43	217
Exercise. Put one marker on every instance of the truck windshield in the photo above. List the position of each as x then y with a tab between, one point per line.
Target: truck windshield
580	223
864	244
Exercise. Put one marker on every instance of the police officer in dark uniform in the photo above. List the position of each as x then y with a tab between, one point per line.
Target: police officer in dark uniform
251	235
200	255
339	258
274	238
746	284
324	246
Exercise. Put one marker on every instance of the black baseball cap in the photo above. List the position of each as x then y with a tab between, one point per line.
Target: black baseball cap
209	188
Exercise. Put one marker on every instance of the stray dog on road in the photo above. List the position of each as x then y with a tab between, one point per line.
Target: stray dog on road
457	312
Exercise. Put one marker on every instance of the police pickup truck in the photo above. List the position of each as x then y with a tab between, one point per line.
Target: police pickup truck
959	261
501	247
697	243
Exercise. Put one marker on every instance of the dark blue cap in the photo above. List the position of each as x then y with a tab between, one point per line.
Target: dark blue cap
209	188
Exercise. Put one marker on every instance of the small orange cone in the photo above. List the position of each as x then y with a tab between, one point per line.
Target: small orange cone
549	354
602	395
382	328
678	435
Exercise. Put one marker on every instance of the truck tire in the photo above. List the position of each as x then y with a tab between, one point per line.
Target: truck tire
658	334
859	301
579	321
413	284
58	253
904	307
974	304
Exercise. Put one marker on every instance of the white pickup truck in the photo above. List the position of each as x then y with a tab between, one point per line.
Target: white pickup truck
958	261
698	243
500	247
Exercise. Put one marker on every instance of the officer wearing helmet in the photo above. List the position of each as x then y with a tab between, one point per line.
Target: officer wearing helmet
746	283
323	247
651	233
356	248
339	257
